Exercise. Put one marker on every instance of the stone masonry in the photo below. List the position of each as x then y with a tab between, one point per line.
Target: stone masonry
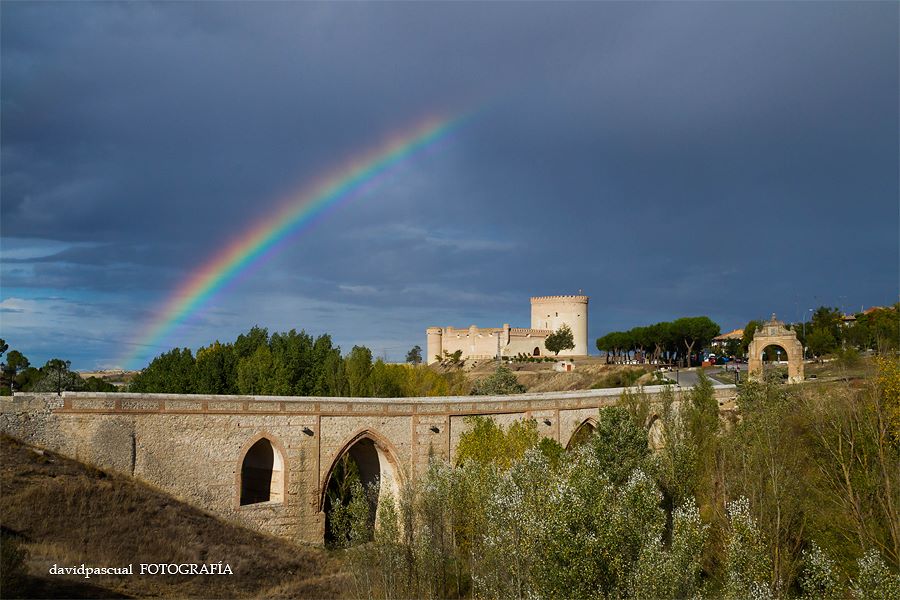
193	446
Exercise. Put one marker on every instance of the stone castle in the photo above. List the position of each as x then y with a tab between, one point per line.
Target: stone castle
548	313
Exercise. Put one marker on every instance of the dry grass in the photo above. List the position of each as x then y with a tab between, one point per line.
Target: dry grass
67	513
540	377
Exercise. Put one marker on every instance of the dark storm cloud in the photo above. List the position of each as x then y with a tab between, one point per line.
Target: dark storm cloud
669	159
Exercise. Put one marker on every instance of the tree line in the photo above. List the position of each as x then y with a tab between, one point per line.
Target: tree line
827	331
683	339
290	364
797	498
18	375
668	341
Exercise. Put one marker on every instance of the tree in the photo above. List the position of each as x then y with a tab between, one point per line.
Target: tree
661	337
603	345
453	360
56	377
765	466
827	319
389	381
216	370
855	435
344	486
15	362
747	566
95	384
733	348
821	341
695	331
619	445
883	325
247	343
171	372
359	371
487	443
561	339
254	372
414	356
502	382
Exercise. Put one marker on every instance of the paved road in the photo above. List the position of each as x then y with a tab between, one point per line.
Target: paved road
689	377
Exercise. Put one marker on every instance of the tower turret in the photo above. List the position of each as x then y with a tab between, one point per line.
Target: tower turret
550	312
434	345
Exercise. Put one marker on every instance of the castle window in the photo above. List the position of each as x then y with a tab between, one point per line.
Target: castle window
557	314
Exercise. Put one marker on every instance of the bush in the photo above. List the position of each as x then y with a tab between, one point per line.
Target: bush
502	382
620	378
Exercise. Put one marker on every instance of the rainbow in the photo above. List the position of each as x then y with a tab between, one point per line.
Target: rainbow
264	237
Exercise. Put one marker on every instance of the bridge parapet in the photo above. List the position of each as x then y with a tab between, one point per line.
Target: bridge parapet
195	446
131	403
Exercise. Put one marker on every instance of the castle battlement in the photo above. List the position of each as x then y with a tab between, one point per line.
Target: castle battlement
466	330
529	331
572	298
548	313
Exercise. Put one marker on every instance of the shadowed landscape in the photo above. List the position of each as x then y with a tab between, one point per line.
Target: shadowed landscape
61	511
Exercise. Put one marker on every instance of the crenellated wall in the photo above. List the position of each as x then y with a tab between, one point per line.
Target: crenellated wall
548	313
193	446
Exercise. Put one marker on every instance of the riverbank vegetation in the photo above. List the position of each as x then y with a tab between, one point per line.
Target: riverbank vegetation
795	495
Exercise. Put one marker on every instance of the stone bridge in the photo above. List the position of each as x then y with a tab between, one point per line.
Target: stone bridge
265	461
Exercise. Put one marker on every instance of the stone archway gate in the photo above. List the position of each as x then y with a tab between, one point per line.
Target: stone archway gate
192	446
774	333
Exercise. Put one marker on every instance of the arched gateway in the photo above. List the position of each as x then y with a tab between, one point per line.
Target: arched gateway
774	333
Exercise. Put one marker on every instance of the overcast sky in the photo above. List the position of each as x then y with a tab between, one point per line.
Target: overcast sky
727	159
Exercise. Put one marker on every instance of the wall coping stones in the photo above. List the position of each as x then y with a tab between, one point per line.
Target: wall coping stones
124	402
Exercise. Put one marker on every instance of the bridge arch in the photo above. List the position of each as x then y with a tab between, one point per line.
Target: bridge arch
656	433
376	459
582	433
261	474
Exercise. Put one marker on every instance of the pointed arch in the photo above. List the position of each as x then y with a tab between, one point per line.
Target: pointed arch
261	473
390	474
580	434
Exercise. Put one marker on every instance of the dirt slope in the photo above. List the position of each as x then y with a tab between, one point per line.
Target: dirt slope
64	512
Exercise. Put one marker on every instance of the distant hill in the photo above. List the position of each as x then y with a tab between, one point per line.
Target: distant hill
61	511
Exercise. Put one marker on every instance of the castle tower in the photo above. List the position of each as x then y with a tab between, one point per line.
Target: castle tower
550	312
434	345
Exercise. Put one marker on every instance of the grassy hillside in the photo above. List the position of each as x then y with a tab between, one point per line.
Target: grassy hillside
590	372
61	511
